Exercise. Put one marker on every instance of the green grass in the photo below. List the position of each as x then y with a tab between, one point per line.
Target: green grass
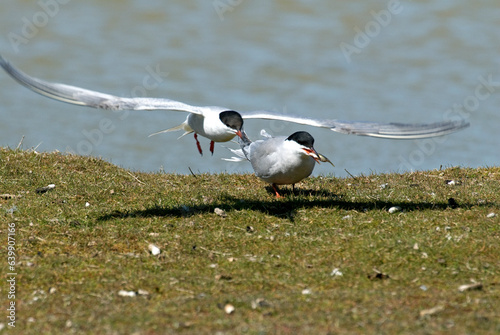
73	259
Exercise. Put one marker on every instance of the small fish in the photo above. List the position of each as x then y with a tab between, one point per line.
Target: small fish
324	159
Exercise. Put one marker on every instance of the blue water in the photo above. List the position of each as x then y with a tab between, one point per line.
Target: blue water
404	61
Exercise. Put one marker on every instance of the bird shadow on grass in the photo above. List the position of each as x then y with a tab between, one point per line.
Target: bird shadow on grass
285	207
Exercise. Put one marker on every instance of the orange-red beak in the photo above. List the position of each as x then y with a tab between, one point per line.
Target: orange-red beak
313	154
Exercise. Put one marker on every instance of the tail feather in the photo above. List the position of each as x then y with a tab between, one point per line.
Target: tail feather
240	156
265	134
183	126
242	153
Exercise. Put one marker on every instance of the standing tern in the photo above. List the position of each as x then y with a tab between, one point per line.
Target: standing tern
220	124
280	160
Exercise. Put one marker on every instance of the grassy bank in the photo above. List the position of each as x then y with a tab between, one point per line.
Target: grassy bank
329	258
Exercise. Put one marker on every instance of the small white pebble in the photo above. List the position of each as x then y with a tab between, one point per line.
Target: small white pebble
142	292
155	251
220	212
470	287
431	311
336	273
259	302
394	209
306	291
123	293
452	182
229	309
87	204
491	215
415	246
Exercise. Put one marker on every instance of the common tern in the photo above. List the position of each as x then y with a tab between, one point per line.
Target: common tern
220	124
280	160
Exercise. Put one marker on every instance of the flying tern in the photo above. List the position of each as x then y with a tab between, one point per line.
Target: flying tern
220	124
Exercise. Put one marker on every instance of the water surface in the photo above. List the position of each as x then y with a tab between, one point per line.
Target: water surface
418	61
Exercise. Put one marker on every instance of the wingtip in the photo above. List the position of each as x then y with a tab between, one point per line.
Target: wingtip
3	62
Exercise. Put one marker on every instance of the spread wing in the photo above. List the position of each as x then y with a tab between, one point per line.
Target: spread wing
375	129
80	96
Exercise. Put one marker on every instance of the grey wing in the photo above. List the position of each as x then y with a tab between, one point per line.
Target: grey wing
375	129
283	117
261	155
80	96
261	150
398	130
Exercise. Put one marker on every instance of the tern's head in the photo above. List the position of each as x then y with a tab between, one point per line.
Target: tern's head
305	142
232	120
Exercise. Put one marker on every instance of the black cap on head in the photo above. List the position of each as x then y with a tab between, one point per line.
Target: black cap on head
302	138
231	119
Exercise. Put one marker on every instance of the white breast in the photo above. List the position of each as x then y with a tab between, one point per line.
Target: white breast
210	127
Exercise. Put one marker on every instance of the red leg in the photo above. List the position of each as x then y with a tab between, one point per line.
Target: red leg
212	147
198	144
275	188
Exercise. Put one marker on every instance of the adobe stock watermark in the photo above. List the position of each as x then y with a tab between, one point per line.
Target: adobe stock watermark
223	6
94	137
12	274
372	29
427	147
277	127
31	26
